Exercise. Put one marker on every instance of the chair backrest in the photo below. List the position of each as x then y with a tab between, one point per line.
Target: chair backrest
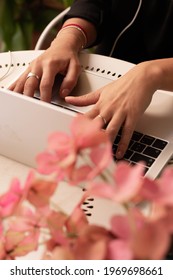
44	35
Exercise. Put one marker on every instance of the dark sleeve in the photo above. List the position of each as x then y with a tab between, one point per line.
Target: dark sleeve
94	11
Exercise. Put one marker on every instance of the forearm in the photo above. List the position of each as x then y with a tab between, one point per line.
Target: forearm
97	12
161	73
88	28
91	16
76	34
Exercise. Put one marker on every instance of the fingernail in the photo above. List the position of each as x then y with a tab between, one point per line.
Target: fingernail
119	154
65	92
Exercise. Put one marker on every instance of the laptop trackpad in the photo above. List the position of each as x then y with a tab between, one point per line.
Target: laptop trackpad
87	82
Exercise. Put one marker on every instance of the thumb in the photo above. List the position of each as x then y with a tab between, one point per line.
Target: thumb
84	100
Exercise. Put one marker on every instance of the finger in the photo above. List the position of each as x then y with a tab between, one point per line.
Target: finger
93	113
18	85
31	83
84	100
46	86
114	124
127	131
99	115
70	79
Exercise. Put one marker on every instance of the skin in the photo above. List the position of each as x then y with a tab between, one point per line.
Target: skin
121	102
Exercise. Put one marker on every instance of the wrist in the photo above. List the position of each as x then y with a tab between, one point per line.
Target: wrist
79	29
153	73
87	30
68	39
72	38
163	71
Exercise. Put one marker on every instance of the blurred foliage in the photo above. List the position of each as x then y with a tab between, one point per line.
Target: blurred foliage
21	19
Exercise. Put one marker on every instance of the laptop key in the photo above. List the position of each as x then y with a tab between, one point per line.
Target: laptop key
140	157
142	148
152	152
138	147
137	136
160	144
147	139
128	154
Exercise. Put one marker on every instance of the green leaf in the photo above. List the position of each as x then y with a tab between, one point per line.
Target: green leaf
18	39
19	19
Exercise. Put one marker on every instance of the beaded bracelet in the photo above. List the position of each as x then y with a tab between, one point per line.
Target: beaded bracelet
79	28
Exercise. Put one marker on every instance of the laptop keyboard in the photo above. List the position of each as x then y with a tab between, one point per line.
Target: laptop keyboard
142	147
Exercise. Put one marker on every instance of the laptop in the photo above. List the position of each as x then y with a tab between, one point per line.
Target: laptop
25	123
152	141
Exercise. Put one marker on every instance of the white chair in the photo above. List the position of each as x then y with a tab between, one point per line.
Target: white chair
57	20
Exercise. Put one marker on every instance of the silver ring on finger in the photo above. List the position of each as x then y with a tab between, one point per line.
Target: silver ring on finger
31	74
103	119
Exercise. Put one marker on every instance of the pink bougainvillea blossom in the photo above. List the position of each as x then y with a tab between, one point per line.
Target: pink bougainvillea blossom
30	215
67	155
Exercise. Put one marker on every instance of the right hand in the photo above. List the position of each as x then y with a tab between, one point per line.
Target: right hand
122	102
61	57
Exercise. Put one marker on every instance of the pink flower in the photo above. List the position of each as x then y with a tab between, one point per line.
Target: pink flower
19	244
59	154
65	153
122	227
151	241
2	243
160	190
27	218
40	192
28	213
20	233
119	249
164	214
10	200
78	240
92	243
137	237
76	220
58	253
56	223
127	182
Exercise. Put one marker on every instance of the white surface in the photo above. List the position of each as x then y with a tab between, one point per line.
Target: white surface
10	169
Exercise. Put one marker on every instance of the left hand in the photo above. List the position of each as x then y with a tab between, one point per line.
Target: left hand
62	57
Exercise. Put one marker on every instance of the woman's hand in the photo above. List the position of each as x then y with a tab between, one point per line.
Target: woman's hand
121	102
61	57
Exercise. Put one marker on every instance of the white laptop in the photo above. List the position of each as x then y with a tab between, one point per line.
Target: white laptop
25	122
